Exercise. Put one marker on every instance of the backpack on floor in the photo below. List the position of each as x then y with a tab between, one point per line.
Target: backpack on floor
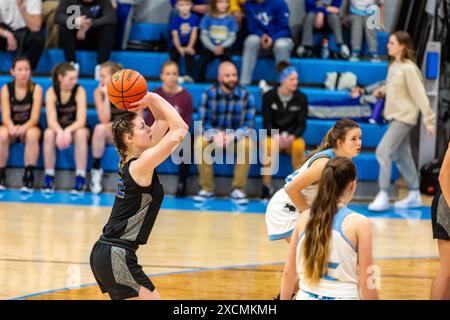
429	177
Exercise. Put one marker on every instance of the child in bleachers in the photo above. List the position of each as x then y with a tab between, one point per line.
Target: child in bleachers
66	105
317	13
199	7
184	31
218	34
360	12
102	132
181	100
21	102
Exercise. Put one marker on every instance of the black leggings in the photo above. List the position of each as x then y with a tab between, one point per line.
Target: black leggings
101	38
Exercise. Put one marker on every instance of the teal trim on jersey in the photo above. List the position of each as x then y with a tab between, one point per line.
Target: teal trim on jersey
337	224
327	153
280	236
316	296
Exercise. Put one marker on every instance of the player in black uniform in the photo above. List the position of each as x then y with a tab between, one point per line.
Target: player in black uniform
66	106
440	221
21	103
138	199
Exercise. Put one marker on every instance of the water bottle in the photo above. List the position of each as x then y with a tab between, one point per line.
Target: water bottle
325	54
377	112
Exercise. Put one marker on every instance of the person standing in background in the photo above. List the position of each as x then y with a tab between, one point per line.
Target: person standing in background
405	99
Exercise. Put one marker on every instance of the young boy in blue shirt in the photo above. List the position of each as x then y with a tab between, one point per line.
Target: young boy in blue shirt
184	31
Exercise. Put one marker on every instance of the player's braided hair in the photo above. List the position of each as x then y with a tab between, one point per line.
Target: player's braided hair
121	126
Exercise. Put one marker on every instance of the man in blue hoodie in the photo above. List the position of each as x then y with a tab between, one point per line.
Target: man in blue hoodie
268	25
317	12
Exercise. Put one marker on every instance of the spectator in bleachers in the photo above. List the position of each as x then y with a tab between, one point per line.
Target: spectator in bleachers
49	8
21	101
199	7
103	130
284	108
360	12
20	26
184	31
317	13
237	10
125	11
268	25
181	100
405	99
66	106
225	105
218	33
95	28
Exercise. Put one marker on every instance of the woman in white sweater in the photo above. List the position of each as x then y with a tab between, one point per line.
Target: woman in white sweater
406	98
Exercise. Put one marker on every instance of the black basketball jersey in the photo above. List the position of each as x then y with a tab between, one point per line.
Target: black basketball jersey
67	112
20	109
135	209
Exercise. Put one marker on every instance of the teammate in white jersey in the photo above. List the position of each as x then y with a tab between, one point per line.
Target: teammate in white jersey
343	139
331	247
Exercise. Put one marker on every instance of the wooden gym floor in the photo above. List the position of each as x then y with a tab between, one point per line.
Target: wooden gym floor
191	254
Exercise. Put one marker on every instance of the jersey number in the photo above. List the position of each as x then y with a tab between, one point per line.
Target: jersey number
120	189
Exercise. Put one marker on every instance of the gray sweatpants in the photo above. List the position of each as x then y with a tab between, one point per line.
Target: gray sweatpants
395	146
333	21
358	27
281	48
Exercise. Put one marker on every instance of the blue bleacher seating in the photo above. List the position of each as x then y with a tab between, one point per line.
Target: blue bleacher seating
312	71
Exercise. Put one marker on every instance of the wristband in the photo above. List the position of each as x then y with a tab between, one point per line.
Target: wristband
5	33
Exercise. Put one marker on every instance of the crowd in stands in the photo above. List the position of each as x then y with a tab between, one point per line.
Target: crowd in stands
210	29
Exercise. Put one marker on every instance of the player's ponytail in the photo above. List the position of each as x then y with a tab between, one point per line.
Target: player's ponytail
61	69
336	133
336	177
121	126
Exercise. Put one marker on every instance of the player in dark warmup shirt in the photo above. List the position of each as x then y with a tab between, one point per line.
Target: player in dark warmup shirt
138	199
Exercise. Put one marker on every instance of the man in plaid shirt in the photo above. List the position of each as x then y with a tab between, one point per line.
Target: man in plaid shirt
225	105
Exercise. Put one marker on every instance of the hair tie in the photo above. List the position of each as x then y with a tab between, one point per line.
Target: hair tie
286	73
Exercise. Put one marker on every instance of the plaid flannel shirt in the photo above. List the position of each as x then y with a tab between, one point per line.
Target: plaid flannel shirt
222	111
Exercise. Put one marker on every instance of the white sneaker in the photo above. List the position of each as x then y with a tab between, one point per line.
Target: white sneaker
344	52
413	200
238	196
380	203
203	195
96	181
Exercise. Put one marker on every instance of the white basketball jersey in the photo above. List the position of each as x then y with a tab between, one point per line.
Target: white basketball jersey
341	277
310	191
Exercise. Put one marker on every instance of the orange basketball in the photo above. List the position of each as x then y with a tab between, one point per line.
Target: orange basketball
126	86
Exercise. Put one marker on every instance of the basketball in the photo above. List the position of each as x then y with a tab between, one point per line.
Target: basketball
126	86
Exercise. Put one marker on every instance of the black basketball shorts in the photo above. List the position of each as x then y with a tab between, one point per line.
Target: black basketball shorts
117	271
440	217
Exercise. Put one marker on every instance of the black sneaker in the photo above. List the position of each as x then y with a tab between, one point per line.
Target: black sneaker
181	190
27	181
2	181
266	192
